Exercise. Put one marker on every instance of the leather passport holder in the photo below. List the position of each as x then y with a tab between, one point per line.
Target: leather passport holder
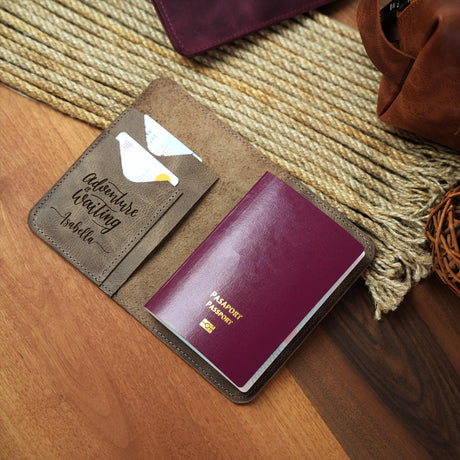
196	27
147	192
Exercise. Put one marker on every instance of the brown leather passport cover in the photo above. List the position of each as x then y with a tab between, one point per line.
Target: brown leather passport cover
173	221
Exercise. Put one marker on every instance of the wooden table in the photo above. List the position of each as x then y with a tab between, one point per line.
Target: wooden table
80	378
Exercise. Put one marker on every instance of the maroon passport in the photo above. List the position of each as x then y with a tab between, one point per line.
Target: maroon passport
256	280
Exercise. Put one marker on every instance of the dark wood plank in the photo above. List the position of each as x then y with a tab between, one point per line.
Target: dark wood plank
388	388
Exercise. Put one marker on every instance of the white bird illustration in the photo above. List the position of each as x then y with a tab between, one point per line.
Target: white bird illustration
139	165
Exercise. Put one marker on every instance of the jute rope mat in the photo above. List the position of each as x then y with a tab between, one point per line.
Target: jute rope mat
303	93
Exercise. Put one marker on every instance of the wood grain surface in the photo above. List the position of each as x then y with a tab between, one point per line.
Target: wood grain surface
80	378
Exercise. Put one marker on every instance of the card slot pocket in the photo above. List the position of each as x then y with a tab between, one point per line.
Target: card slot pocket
195	181
98	218
95	216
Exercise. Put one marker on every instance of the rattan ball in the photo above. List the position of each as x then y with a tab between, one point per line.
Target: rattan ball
443	232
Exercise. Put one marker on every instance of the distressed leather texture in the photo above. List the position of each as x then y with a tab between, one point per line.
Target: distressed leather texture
196	27
103	223
238	167
420	85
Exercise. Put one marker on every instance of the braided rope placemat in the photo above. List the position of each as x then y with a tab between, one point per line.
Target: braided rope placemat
302	92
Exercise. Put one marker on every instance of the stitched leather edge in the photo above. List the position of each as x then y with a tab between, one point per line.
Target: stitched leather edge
98	279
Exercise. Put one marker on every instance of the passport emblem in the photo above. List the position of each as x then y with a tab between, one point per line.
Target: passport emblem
207	325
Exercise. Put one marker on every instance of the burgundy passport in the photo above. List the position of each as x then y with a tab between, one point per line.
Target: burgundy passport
256	280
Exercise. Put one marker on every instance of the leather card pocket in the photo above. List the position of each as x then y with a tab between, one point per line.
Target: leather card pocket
104	214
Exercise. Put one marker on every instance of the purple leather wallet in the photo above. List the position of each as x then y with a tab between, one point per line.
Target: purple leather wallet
196	27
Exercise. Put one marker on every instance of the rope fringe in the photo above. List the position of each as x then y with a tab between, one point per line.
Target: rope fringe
303	92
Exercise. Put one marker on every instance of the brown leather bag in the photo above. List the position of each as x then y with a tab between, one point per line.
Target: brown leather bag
420	85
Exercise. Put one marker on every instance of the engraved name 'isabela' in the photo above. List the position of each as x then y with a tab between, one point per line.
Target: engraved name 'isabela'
224	306
84	233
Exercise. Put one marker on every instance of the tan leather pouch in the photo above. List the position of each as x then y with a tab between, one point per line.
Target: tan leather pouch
419	89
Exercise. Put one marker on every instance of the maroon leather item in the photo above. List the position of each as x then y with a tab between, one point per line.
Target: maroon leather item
194	27
420	86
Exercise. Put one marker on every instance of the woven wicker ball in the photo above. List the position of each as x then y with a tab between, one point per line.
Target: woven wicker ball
443	233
